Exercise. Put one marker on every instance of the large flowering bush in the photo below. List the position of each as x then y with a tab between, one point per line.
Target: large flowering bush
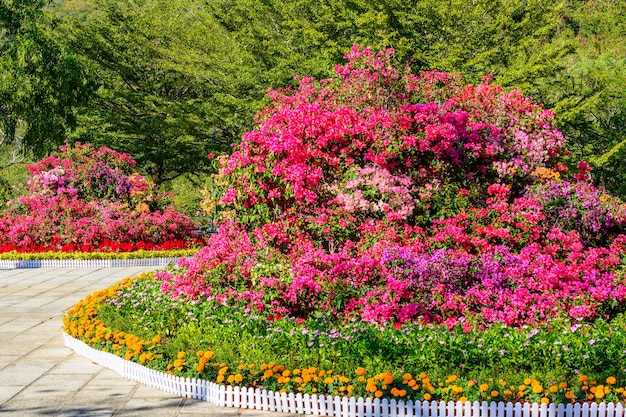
89	199
391	197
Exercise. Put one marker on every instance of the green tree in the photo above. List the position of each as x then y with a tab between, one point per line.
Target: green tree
172	85
41	82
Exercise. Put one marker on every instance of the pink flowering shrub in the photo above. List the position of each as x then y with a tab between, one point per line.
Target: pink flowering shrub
89	199
385	196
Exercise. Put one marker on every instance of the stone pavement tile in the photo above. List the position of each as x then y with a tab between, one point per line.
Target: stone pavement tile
145	407
106	377
75	364
11	349
7	358
17	309
193	407
30	408
21	373
6	393
31	338
103	398
144	391
59	384
7	336
55	354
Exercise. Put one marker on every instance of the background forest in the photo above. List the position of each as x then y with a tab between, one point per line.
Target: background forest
171	81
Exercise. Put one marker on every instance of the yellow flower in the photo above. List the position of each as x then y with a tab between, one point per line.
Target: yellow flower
451	379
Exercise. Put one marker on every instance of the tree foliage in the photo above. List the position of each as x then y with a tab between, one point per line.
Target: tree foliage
168	113
41	81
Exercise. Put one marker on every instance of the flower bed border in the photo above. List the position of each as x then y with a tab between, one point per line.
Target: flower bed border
85	263
228	396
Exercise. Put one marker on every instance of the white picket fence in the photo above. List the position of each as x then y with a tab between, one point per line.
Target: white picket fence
85	263
321	405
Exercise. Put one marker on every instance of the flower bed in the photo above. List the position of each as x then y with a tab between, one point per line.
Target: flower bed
414	362
391	235
83	199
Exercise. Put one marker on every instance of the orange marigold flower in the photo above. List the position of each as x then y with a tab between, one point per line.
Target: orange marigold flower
427	397
483	387
611	380
554	389
494	393
378	394
360	371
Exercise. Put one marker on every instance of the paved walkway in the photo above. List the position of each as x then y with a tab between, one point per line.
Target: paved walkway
39	376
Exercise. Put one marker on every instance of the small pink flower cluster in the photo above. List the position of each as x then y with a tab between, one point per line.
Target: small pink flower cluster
389	197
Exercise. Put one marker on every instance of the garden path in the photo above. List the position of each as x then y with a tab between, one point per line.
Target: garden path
39	376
